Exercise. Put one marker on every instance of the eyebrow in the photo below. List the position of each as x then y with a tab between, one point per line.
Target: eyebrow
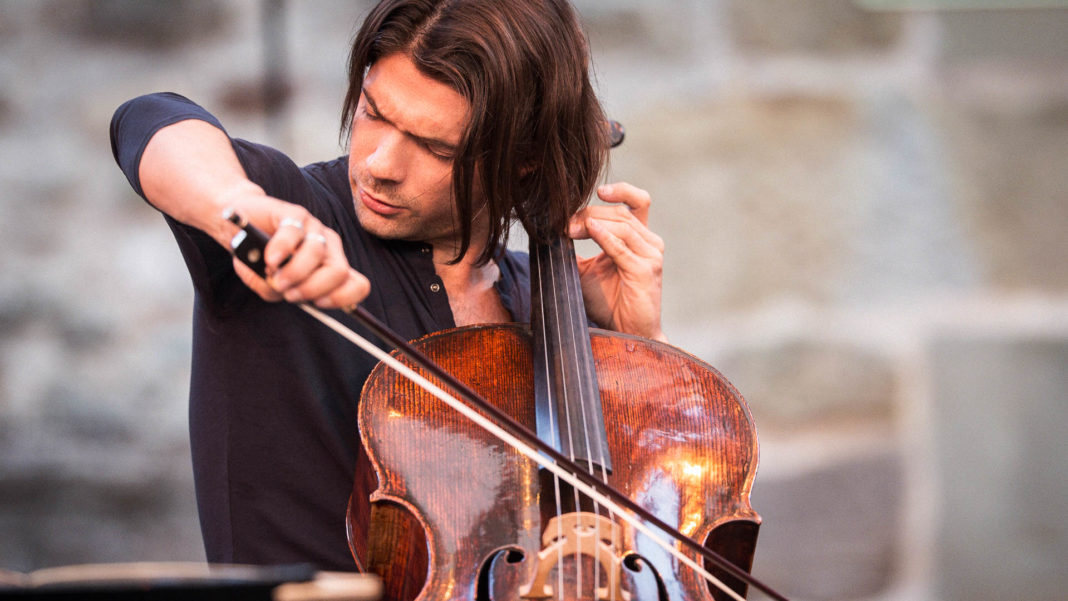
437	143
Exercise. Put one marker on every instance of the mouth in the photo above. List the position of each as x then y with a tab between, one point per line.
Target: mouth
376	205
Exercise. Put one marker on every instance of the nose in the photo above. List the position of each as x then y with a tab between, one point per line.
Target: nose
386	161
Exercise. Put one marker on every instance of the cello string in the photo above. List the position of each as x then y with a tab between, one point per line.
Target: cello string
565	251
567	413
602	449
520	446
553	419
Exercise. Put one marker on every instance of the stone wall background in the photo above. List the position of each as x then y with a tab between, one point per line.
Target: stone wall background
866	216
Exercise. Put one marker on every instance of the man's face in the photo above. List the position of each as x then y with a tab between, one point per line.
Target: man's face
404	137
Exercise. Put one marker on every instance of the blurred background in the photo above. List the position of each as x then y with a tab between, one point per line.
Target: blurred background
865	205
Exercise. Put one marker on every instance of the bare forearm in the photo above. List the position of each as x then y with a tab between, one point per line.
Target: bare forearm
189	171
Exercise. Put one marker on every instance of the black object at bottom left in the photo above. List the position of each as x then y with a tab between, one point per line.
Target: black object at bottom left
175	581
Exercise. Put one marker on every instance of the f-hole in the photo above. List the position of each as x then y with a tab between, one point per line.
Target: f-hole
484	590
636	563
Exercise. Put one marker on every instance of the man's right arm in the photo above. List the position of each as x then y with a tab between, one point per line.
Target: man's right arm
188	169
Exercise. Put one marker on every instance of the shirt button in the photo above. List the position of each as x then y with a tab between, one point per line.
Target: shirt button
435	287
425	249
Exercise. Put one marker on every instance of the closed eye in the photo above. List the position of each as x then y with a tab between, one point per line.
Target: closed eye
370	113
442	154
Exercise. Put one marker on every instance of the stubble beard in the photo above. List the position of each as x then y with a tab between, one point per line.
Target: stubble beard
405	225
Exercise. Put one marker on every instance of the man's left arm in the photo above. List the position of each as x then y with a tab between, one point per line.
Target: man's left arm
622	284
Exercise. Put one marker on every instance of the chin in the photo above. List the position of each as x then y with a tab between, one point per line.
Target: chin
382	227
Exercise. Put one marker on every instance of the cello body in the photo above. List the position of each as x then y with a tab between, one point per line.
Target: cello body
457	514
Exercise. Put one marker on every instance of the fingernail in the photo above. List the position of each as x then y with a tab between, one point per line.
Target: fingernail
605	190
293	296
279	283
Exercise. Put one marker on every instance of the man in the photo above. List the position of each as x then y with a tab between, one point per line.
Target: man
462	116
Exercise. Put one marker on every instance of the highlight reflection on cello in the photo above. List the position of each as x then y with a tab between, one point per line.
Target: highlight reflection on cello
462	116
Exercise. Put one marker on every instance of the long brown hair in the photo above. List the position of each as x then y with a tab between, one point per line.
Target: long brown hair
537	139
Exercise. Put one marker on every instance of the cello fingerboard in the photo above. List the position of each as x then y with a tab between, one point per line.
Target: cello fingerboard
567	397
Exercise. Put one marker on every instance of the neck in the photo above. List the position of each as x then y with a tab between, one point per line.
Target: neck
465	273
445	251
471	288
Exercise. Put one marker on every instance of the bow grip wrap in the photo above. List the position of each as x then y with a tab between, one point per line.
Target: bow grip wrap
248	243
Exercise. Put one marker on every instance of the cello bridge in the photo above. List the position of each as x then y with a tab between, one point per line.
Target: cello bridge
574	534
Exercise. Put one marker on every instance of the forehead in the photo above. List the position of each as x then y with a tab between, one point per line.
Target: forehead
419	105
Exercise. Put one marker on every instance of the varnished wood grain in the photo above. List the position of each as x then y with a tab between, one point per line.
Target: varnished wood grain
682	442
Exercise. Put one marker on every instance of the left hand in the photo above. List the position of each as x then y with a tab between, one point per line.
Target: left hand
622	284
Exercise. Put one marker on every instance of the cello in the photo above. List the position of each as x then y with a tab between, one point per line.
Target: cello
456	513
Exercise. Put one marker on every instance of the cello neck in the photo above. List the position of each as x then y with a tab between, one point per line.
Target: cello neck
568	403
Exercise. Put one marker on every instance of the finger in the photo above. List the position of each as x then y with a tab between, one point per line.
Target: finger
625	246
636	199
255	282
351	292
286	236
310	254
637	236
604	213
321	283
618	217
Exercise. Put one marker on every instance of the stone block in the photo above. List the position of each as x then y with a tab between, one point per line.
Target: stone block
832	532
1004	36
1000	416
823	27
799	382
159	25
1006	152
51	517
752	193
667	30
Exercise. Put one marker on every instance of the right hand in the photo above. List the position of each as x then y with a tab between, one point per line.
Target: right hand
317	270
